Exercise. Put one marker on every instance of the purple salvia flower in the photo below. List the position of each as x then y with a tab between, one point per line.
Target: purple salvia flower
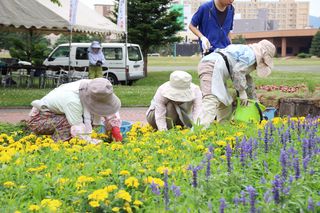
211	148
290	179
266	139
283	161
243	198
208	169
266	167
194	174
267	196
155	188
312	172
166	190
305	163
276	188
249	147
310	204
252	196
222	205
259	135
318	204
286	190
176	190
296	166
210	207
304	147
229	154
236	201
263	180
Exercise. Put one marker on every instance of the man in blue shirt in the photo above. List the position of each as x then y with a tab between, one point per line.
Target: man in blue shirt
212	23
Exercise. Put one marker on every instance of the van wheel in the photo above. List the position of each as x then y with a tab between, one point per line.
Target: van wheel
112	78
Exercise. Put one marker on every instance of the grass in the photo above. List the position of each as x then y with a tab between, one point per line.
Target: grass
141	93
194	60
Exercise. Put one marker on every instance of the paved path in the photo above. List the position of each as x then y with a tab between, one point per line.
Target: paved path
14	115
298	68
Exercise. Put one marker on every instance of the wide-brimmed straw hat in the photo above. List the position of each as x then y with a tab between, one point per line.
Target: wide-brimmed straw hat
97	95
95	44
264	51
178	88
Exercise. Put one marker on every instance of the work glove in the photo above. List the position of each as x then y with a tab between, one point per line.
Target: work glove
99	63
243	98
116	134
205	44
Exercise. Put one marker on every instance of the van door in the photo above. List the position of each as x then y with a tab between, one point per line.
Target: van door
135	63
115	64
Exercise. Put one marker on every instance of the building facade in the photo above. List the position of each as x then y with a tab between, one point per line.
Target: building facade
288	14
105	9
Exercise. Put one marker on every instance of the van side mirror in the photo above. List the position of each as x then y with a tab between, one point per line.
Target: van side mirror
51	59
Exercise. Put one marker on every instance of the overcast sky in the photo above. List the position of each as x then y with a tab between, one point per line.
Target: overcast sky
314	4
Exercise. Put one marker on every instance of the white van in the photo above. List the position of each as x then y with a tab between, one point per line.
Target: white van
114	69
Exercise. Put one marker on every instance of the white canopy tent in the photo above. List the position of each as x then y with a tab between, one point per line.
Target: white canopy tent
45	16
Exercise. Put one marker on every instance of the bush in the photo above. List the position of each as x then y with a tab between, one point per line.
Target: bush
304	55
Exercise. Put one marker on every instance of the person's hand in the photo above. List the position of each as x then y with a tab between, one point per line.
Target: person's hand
243	98
205	44
99	63
116	134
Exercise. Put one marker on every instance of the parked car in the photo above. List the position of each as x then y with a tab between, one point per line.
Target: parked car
117	68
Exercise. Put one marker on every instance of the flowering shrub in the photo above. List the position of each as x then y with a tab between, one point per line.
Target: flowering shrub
267	167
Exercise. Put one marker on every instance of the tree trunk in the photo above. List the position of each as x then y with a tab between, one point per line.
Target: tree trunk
299	107
145	67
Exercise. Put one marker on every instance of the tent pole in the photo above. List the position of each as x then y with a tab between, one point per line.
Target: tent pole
126	41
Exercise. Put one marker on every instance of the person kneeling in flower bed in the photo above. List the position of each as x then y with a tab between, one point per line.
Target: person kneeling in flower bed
69	111
176	102
234	62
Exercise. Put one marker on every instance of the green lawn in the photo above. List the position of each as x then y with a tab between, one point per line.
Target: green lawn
193	61
141	93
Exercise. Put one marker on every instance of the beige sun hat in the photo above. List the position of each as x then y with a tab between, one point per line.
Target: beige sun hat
264	51
178	88
97	95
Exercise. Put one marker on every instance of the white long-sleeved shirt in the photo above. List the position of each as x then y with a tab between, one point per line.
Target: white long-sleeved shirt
159	103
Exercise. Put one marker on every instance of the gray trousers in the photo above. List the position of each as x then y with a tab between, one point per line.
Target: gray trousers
172	117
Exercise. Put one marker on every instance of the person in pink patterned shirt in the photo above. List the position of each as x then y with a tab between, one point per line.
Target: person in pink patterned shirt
176	102
72	109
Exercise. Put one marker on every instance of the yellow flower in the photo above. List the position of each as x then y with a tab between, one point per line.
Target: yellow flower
131	181
9	184
62	181
150	180
162	169
110	188
122	194
115	209
127	207
98	195
137	203
105	172
52	204
34	208
17	211
94	204
124	172
221	143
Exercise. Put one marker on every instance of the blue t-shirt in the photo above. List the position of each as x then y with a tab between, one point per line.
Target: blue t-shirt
206	20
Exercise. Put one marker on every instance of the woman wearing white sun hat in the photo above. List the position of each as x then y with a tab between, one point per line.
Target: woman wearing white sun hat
234	62
176	102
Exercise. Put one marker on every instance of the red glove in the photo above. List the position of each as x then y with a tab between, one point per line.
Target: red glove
116	134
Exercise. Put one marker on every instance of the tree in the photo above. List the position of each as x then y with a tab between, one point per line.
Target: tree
151	23
26	46
315	45
81	38
239	39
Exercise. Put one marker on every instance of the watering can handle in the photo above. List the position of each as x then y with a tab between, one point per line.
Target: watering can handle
260	111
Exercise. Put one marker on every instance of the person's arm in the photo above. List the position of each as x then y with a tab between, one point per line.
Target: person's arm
229	36
251	91
92	60
240	81
195	30
197	104
113	123
160	110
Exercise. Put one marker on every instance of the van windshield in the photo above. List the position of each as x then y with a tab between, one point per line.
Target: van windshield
134	53
61	52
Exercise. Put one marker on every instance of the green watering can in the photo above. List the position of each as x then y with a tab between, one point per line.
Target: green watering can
250	113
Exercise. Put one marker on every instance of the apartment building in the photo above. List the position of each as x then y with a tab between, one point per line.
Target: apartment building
289	14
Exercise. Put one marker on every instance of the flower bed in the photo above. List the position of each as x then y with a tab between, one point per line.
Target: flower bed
268	167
